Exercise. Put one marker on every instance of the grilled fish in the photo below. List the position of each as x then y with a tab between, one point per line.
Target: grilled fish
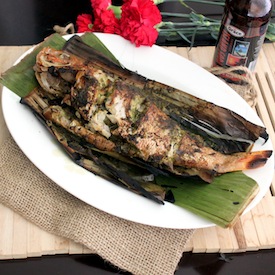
121	112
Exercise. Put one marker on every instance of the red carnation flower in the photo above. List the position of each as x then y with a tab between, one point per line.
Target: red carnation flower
138	21
105	20
84	23
100	4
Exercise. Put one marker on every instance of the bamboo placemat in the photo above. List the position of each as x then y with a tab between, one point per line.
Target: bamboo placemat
255	230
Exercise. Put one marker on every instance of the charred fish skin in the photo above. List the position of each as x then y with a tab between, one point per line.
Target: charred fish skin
159	139
116	109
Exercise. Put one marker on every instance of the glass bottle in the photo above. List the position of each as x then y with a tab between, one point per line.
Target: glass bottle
242	32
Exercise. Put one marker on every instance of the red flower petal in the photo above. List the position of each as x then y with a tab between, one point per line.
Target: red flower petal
138	20
84	23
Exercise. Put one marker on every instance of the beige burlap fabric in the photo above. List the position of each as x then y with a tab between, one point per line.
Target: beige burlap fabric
137	248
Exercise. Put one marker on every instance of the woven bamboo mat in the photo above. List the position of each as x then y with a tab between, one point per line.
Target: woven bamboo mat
255	230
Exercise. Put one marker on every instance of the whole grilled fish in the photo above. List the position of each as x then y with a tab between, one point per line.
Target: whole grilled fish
121	112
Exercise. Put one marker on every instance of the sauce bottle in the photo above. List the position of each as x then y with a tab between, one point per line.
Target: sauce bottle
242	32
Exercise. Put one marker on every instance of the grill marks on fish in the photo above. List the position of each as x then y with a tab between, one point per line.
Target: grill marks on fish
115	114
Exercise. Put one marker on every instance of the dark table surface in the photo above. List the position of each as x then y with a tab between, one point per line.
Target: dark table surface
27	22
252	263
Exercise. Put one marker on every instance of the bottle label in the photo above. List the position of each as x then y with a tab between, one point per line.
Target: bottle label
238	45
235	31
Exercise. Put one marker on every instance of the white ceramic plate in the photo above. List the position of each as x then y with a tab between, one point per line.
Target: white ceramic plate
154	63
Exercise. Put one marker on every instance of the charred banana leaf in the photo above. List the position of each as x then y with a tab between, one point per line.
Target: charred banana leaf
109	107
216	121
113	167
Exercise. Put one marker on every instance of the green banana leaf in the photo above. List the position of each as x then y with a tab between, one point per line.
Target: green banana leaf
20	78
94	42
222	201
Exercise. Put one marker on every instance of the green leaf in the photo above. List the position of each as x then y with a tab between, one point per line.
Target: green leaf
20	78
270	34
93	41
220	202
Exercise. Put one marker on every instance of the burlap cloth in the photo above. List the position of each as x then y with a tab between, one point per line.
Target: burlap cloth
134	247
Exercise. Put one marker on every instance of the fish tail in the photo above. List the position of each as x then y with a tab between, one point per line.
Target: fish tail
257	159
246	161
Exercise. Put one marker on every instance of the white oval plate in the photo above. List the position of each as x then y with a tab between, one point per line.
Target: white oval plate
155	63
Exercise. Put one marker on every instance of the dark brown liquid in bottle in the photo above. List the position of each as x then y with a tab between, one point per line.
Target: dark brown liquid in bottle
242	32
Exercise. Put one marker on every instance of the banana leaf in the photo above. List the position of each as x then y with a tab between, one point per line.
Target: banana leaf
223	124
94	42
220	202
21	78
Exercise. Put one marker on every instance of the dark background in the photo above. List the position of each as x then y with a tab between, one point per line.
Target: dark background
27	22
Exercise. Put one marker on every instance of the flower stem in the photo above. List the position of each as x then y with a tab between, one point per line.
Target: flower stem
172	14
187	30
216	3
116	10
183	24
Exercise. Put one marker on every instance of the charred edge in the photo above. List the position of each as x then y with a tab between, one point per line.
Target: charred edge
251	131
259	161
87	52
154	170
86	163
37	113
224	146
128	180
264	135
169	197
77	47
